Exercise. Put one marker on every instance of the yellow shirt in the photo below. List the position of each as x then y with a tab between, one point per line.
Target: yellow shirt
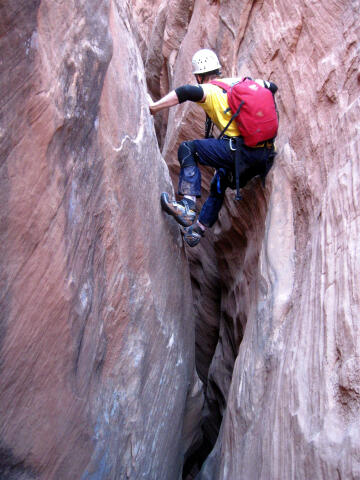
216	105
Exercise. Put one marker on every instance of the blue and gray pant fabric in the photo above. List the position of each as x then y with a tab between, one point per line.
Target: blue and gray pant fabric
219	154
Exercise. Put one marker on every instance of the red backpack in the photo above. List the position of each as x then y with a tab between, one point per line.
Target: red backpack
253	108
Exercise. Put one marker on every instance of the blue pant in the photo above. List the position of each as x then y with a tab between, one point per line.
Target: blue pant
217	154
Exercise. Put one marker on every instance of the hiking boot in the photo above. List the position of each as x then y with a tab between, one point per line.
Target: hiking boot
183	211
193	235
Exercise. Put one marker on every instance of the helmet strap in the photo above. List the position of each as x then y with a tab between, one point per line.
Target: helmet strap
200	77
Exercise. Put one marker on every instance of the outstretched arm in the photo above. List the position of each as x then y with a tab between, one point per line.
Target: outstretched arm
179	95
168	101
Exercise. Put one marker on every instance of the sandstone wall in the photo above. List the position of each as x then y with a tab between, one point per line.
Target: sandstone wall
96	314
275	284
97	335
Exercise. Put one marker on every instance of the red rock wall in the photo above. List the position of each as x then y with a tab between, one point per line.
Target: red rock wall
275	285
97	332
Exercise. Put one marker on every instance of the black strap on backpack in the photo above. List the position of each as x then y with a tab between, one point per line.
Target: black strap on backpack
231	119
238	144
209	127
237	150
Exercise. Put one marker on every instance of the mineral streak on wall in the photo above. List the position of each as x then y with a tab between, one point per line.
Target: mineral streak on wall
97	342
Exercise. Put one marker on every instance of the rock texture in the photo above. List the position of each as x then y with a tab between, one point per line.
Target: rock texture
97	298
97	332
275	284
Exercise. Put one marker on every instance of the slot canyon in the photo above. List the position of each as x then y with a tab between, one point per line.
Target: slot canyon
124	353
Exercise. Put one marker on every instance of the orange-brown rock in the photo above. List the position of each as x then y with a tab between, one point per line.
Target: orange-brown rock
97	332
275	284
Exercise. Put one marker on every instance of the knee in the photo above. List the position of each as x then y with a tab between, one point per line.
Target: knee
187	154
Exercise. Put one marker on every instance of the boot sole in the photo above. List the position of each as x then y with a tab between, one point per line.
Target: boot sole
164	200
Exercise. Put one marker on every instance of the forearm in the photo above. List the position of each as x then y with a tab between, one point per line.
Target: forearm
169	100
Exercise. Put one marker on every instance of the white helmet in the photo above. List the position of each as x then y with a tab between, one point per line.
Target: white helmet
204	61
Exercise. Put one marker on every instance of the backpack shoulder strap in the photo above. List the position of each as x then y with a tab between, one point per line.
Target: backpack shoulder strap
220	84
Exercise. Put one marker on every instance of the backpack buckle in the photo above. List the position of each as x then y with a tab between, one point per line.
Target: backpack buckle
233	149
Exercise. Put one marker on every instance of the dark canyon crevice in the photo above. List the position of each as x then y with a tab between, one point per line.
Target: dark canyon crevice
220	317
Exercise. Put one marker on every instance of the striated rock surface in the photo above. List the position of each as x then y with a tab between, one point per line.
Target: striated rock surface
274	285
97	332
97	307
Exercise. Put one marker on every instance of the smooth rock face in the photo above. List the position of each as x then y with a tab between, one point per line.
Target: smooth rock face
275	283
97	324
97	310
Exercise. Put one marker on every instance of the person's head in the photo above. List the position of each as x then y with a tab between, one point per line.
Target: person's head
206	65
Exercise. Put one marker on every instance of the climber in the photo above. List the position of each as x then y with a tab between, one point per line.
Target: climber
226	154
